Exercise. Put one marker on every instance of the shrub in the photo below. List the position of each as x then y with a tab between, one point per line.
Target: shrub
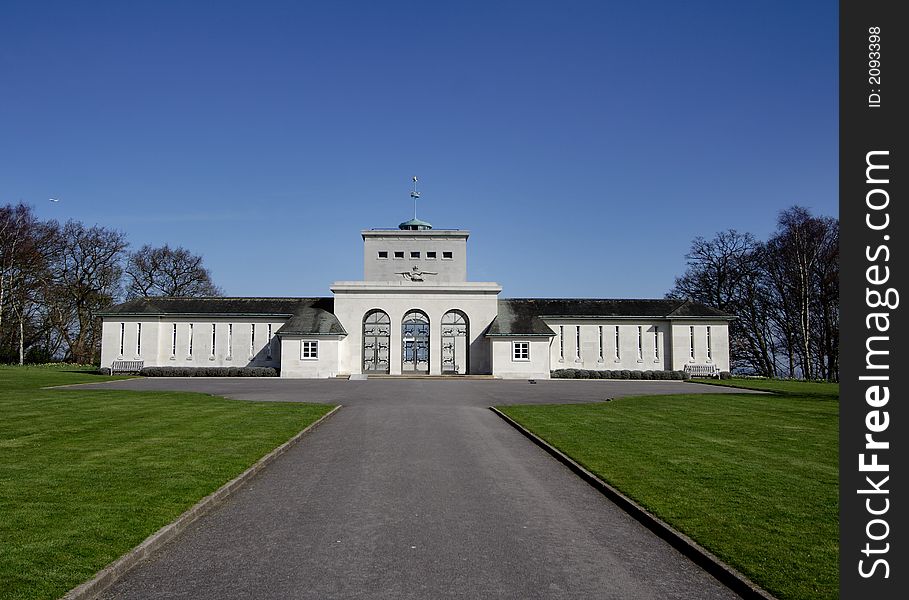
208	372
607	374
104	371
725	375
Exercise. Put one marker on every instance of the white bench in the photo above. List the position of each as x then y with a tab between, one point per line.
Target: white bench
126	366
702	370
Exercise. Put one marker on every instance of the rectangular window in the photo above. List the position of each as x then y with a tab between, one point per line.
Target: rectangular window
446	256
617	355
709	348
122	336
577	344
269	342
230	340
173	341
190	340
415	255
383	254
520	350
399	254
691	341
656	342
600	342
430	256
252	339
640	343
309	350
212	339
561	342
138	339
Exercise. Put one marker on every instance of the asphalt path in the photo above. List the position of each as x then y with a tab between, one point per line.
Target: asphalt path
414	489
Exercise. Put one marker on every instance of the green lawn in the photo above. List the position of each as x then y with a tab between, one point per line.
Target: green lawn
817	389
85	475
752	478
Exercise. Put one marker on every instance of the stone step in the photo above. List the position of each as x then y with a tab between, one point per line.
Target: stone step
439	377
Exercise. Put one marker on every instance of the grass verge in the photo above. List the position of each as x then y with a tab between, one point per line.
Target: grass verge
754	479
822	390
85	475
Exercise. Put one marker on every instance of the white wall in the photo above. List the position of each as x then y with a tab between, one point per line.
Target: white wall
506	367
354	299
438	241
110	340
157	342
681	342
293	365
628	357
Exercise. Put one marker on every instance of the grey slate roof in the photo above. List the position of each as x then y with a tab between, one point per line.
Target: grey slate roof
306	315
524	316
516	316
312	320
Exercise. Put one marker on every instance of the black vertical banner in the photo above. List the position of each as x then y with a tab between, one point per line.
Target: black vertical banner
873	168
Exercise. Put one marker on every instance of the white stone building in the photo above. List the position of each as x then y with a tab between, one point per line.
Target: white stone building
415	312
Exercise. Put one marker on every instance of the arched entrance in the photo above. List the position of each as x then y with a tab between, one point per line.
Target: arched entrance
455	342
415	343
376	339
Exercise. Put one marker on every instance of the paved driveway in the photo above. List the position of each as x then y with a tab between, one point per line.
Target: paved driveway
415	490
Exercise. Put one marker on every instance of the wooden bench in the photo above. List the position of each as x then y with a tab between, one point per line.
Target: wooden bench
126	366
702	370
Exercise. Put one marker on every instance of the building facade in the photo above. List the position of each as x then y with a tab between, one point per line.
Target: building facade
416	313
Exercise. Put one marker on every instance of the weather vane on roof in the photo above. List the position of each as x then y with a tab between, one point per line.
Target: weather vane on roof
415	224
414	194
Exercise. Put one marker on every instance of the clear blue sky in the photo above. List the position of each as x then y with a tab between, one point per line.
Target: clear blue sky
583	144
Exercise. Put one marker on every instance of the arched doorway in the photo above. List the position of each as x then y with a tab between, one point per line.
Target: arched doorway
376	339
415	343
455	342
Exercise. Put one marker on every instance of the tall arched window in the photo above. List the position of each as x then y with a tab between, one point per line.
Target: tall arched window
376	338
455	342
415	342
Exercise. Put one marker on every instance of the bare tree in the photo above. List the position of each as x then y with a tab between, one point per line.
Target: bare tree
785	293
16	222
33	277
86	277
167	271
798	250
716	269
726	273
24	244
827	300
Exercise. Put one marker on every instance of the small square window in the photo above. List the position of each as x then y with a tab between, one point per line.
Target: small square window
399	254
446	256
520	350
415	255
310	350
430	256
383	254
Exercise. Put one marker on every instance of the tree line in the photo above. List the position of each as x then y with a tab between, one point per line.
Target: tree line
784	292
56	277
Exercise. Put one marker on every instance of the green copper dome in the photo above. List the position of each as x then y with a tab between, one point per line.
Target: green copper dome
415	225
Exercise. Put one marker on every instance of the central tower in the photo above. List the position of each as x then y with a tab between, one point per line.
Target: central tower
415	312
